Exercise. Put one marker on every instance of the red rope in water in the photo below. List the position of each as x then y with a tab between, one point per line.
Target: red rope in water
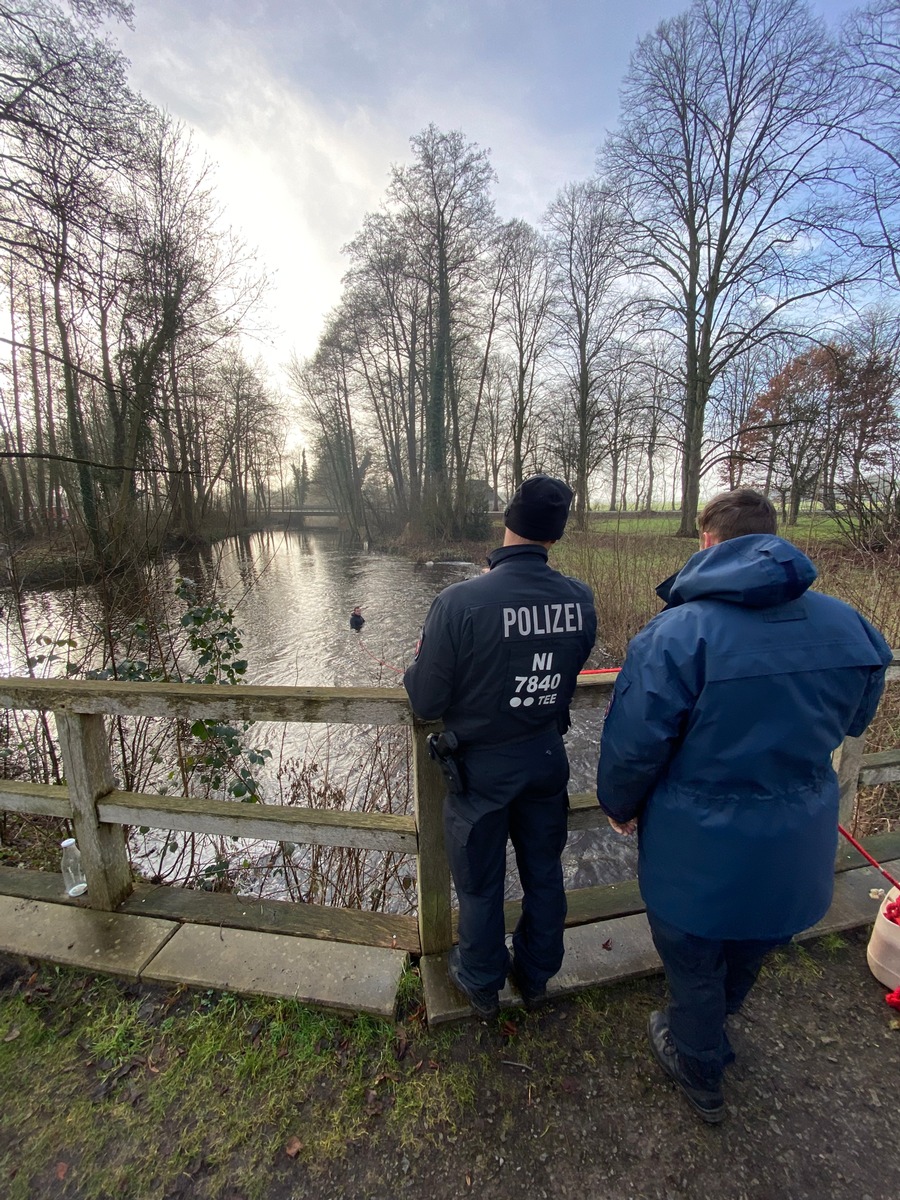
380	661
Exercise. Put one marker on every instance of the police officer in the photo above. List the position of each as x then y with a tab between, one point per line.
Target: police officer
498	660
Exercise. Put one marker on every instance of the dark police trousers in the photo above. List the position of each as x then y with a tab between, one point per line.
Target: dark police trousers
708	980
518	792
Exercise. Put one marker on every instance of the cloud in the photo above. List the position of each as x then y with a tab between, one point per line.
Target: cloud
305	104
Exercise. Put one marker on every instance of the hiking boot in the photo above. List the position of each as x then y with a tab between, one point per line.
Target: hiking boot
533	997
706	1100
484	1004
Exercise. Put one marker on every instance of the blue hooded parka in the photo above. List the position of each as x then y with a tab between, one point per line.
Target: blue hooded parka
719	739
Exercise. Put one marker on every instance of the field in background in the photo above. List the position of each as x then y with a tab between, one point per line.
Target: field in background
624	559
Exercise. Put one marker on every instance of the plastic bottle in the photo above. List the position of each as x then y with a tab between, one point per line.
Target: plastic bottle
72	870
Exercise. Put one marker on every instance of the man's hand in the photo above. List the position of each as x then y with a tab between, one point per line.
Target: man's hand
628	827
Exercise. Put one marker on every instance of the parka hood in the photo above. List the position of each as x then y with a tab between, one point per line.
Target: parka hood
758	571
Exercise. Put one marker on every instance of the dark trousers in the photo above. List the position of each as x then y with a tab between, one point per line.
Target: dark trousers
708	980
515	792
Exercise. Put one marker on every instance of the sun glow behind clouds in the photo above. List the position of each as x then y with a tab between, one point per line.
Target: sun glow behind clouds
304	105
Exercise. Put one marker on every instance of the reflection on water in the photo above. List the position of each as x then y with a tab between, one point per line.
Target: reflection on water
292	593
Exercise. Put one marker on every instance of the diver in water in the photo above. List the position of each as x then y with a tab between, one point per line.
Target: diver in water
357	620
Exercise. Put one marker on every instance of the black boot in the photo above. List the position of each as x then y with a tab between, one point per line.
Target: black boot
484	1004
533	997
705	1099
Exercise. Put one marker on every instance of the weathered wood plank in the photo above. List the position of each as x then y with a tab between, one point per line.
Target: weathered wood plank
593	691
194	701
586	905
104	854
851	905
316	921
269	822
585	812
882	847
882	767
37	885
847	760
41	799
432	868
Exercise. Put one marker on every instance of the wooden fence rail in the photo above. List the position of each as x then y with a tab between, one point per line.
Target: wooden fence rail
100	812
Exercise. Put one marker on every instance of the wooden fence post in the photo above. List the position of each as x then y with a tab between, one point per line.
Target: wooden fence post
432	868
847	762
89	776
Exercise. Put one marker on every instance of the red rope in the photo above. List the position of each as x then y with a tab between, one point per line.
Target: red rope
868	857
380	661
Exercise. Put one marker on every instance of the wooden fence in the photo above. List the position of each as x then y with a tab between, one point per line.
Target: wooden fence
100	812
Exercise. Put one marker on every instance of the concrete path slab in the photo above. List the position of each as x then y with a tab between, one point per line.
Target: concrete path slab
352	978
80	937
605	952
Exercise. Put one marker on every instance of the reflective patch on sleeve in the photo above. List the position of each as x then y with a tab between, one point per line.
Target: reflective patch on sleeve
419	642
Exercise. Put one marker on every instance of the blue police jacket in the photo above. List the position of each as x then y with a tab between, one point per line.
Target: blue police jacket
499	654
719	739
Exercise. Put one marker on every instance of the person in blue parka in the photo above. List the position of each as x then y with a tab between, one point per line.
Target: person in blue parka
717	749
498	660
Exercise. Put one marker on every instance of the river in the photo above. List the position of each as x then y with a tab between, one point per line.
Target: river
291	593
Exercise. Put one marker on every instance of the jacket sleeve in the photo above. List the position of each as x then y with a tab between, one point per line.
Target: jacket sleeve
430	678
651	704
875	683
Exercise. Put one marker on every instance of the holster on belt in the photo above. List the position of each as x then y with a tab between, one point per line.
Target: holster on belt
444	749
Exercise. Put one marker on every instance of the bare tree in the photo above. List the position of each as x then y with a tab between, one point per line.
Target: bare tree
583	235
723	163
443	197
525	320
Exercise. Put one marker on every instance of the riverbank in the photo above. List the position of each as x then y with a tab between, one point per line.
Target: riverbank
110	1089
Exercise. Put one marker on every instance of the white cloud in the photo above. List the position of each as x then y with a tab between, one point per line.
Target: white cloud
305	104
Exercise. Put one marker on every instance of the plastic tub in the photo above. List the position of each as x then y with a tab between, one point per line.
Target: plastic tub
883	953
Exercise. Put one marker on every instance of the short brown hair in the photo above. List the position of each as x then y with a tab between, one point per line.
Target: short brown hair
734	514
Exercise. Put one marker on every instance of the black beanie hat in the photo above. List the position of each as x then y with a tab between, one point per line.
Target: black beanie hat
539	509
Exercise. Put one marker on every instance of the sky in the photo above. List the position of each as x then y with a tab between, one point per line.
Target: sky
302	106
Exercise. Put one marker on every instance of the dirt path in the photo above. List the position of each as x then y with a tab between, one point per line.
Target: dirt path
565	1103
813	1109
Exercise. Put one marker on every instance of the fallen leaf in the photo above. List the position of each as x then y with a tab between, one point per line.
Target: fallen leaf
292	1147
13	1034
607	945
894	1024
61	1169
509	1029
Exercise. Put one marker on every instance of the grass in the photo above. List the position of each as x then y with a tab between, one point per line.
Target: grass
89	1068
113	1089
99	1076
123	1089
